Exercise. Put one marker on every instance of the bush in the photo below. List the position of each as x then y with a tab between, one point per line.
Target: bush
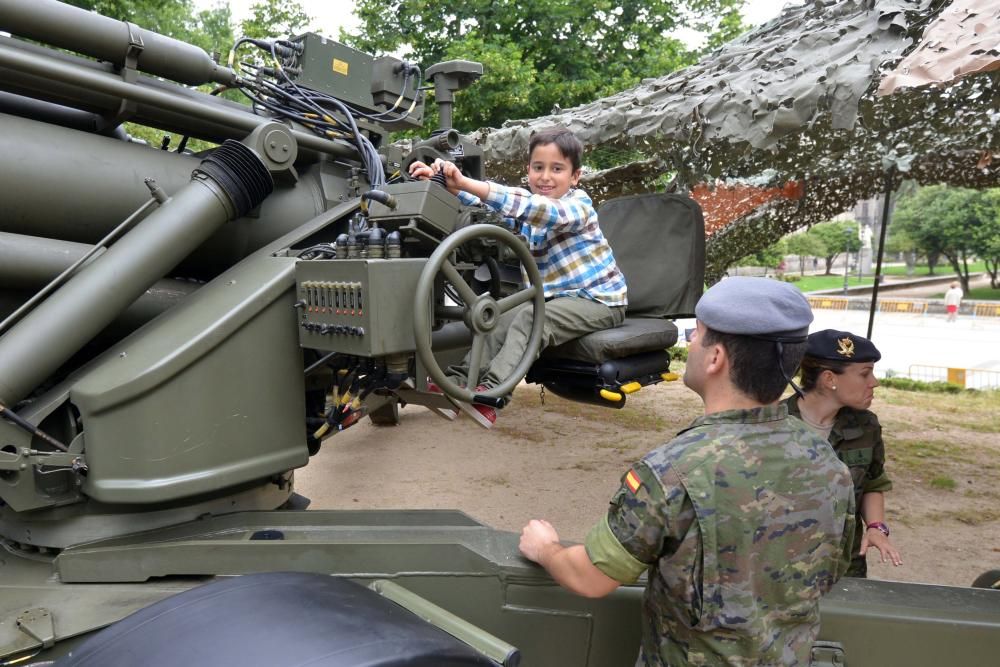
791	277
678	354
906	384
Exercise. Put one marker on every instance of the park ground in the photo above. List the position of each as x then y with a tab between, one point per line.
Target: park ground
559	460
562	461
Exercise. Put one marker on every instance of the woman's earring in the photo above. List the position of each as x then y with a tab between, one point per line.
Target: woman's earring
834	387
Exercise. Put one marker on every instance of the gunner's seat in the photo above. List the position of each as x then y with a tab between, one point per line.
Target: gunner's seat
659	244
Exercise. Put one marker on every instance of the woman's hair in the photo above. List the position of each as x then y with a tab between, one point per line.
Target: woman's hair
569	145
811	368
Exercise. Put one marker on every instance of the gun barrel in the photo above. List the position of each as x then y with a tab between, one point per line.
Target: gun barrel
228	183
110	85
75	29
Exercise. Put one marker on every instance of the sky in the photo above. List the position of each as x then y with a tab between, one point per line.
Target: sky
330	15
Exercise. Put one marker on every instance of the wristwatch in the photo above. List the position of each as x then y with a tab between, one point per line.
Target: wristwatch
880	527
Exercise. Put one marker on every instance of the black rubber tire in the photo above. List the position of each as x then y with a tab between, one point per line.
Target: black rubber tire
988	579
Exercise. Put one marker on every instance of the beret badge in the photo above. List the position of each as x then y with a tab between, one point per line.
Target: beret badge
845	347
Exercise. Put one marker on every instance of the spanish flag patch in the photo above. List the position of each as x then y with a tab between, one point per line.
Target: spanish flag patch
632	481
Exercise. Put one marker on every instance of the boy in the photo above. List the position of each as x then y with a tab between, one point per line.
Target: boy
584	288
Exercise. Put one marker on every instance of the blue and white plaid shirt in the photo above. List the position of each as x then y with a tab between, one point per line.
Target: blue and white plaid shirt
572	254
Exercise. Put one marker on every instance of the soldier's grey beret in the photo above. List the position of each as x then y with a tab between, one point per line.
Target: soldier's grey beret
841	346
758	307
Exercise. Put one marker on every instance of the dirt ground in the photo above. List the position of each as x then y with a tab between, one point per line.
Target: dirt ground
562	461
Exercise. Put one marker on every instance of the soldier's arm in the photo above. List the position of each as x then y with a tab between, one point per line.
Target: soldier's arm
644	523
569	566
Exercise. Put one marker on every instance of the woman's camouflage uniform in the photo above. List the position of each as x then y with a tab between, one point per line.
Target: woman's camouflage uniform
742	522
857	439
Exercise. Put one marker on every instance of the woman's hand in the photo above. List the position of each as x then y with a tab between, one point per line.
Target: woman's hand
875	538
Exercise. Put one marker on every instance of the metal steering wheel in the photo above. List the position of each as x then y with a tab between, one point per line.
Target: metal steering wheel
480	313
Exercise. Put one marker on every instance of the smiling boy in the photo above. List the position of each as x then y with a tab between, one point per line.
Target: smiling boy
584	288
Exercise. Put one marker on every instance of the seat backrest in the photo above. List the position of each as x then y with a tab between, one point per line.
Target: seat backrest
659	244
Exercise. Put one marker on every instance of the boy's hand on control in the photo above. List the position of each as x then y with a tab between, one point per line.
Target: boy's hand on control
453	178
420	171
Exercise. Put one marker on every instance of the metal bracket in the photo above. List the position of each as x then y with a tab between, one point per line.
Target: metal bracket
37	624
130	74
827	654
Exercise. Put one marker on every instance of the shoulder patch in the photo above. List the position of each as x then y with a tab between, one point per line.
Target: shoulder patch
632	481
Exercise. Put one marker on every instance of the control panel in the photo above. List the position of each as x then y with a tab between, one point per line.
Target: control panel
357	306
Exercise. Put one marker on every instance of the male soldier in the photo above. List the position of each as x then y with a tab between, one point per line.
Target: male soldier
743	520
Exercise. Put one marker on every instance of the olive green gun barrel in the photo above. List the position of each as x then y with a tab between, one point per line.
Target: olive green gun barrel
76	186
227	184
22	62
75	29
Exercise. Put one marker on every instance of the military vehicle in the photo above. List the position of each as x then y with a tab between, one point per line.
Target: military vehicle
182	330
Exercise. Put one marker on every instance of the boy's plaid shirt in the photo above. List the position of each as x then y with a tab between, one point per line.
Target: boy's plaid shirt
572	254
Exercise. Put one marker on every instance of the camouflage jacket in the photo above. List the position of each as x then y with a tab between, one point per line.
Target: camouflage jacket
741	522
856	437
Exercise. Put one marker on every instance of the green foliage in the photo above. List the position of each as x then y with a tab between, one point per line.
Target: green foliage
542	54
804	245
836	236
274	18
944	483
907	384
678	353
770	257
953	222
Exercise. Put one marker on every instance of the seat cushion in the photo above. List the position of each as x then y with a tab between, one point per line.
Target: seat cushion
635	336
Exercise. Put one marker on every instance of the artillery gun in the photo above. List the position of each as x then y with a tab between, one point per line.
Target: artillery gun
182	330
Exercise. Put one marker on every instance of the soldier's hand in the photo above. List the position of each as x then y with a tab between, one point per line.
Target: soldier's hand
537	537
886	550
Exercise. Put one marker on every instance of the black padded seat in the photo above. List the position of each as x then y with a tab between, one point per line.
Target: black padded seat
278	618
659	244
635	336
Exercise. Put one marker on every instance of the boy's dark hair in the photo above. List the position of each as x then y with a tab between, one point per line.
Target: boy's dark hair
812	368
753	367
569	145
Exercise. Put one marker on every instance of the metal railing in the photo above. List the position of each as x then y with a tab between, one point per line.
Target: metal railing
968	378
828	302
986	310
902	306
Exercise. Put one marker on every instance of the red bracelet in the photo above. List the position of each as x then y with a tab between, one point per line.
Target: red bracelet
880	527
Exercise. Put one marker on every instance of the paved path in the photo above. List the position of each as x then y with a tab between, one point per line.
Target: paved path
927	340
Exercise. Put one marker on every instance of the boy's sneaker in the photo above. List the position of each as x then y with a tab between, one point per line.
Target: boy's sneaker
483	415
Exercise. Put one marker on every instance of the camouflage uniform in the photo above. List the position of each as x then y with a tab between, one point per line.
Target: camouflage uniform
857	438
742	522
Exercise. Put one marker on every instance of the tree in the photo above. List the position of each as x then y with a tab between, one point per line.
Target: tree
805	245
953	222
836	237
274	18
986	239
537	55
769	258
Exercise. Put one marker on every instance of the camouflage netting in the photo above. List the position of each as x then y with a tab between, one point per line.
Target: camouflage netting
795	99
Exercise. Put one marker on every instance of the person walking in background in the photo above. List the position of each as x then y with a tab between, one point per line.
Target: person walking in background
952	300
838	382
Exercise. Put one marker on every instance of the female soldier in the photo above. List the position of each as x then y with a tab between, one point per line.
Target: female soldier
838	380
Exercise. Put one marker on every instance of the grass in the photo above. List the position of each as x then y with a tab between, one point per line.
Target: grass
977	294
944	483
814	283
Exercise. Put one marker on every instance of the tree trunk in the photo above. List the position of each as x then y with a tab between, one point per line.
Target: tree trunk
932	260
829	264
